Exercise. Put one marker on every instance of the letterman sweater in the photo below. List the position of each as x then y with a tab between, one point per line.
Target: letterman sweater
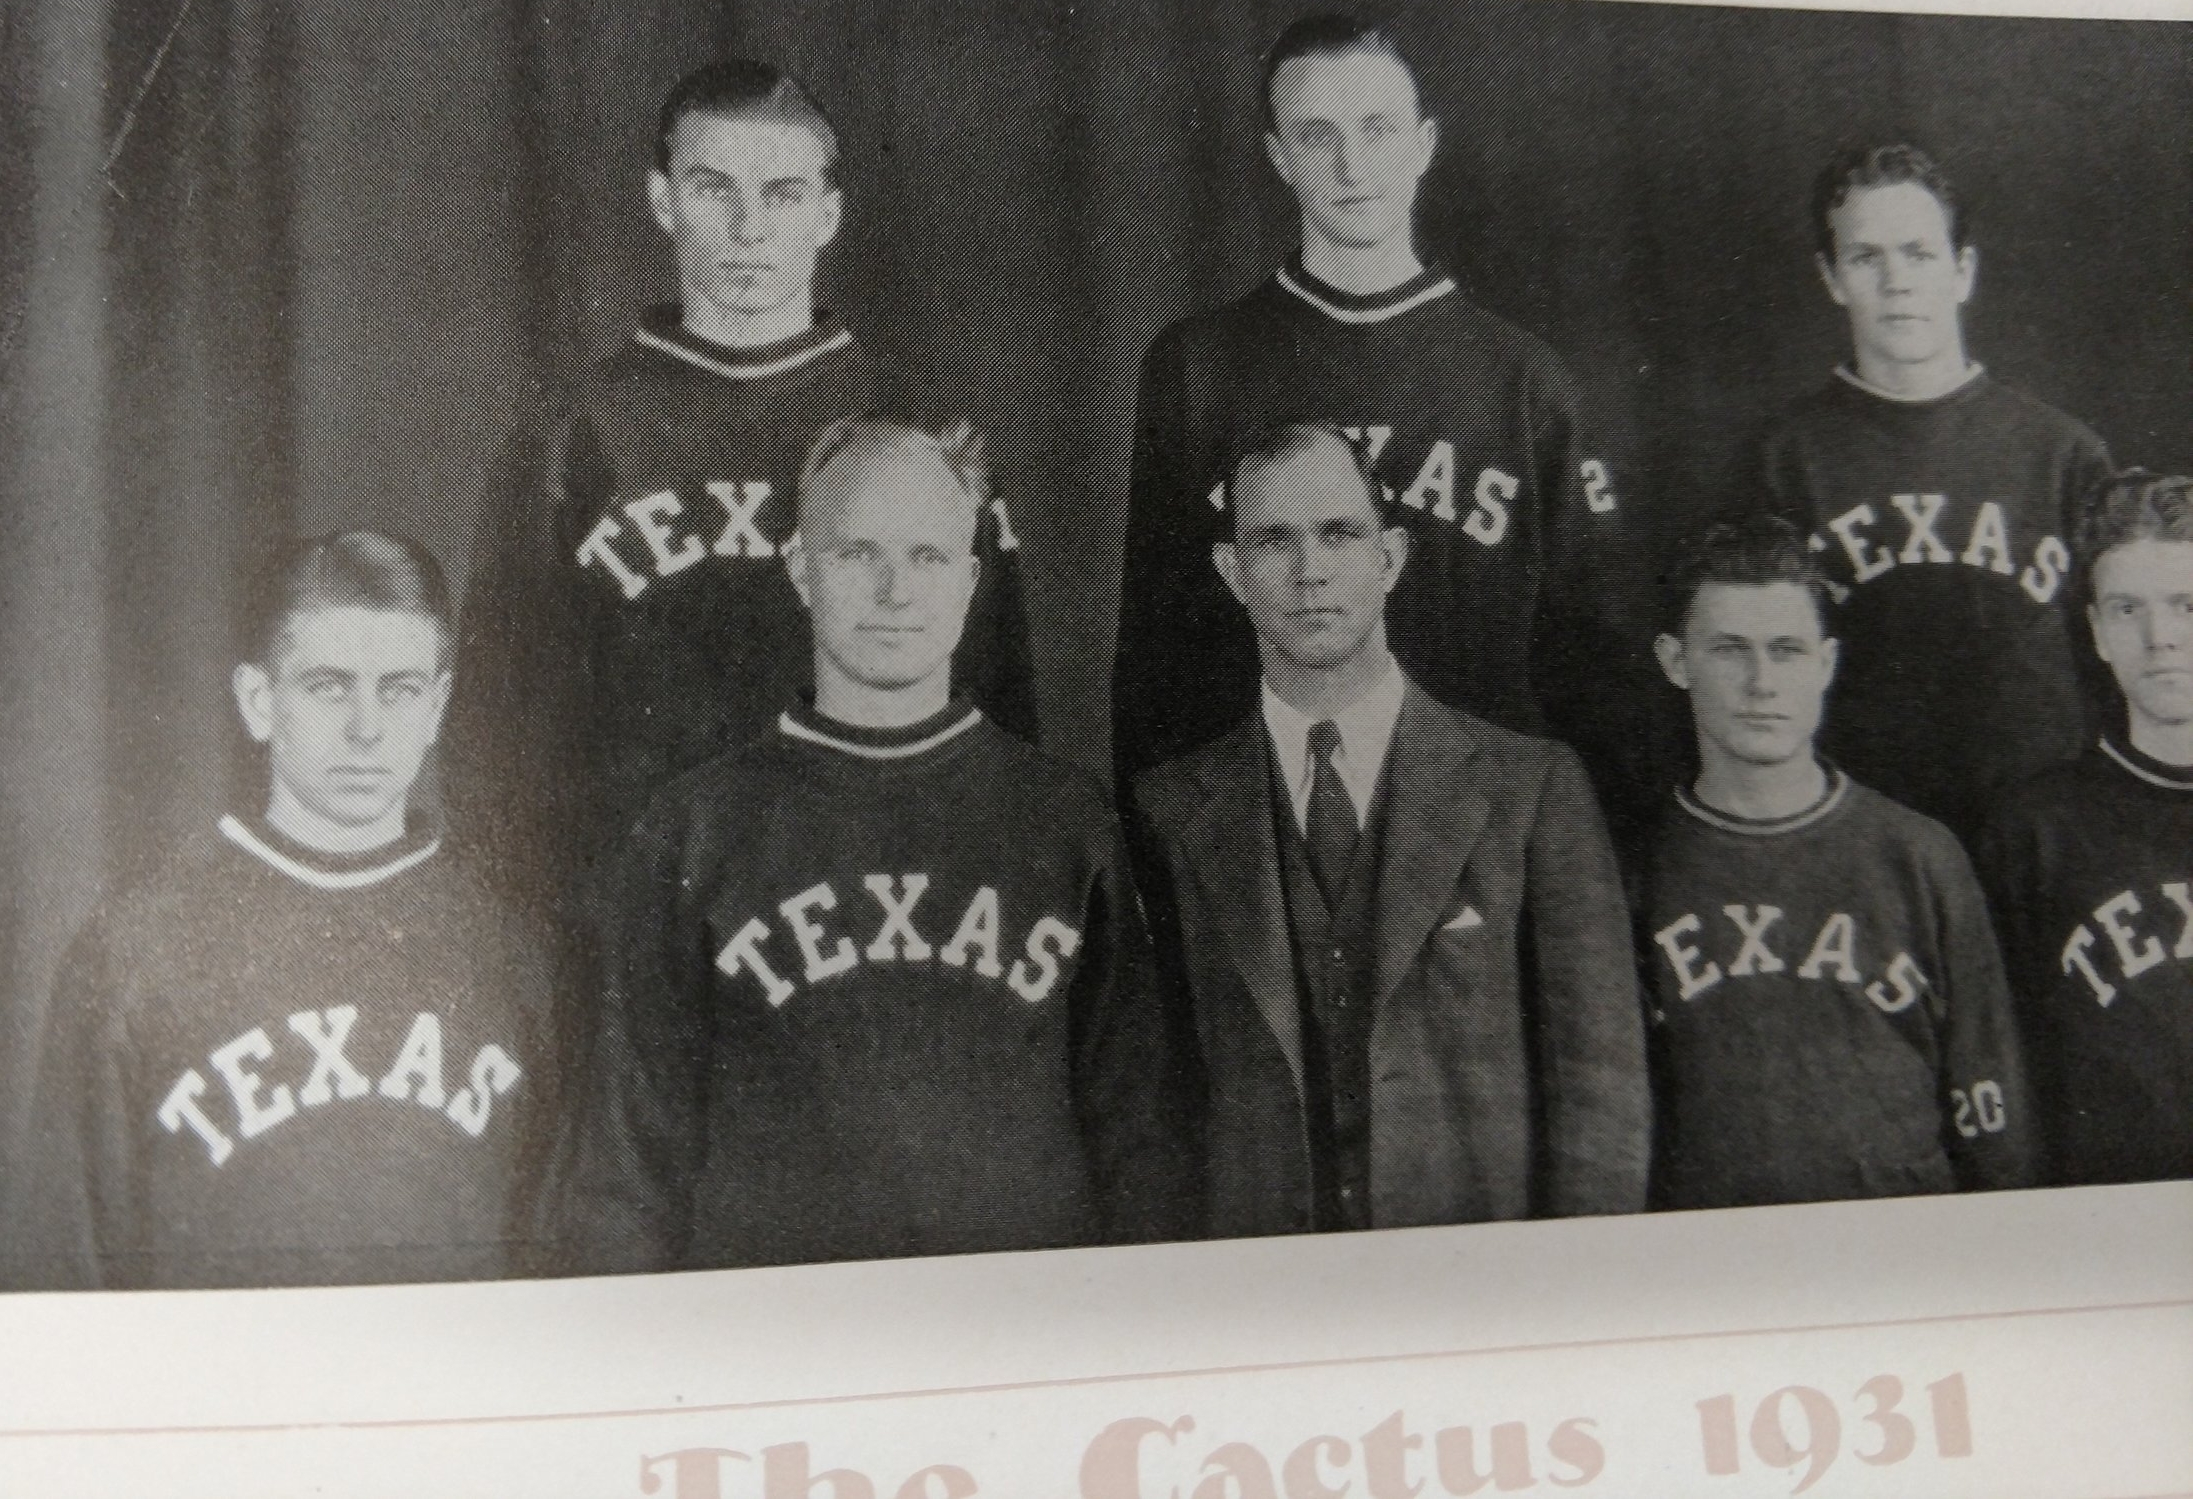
288	1067
1829	1018
630	615
1944	525
2091	868
1516	595
875	993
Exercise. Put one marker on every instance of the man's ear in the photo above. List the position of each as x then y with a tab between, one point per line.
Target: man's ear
1831	650
1393	549
1668	651
1826	268
1228	563
1276	154
794	553
254	700
1968	272
833	212
660	200
1428	134
2094	627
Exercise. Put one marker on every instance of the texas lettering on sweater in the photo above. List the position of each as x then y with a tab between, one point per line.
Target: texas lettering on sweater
800	940
639	541
1935	530
2130	926
1440	487
256	1105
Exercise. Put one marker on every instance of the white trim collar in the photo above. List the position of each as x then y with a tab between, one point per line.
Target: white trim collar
1973	371
251	843
2127	763
1838	787
792	728
1286	278
762	371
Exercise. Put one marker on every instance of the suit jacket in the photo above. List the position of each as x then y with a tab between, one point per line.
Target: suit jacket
1507	1044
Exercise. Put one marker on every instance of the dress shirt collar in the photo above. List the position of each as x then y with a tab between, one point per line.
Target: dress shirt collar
1366	733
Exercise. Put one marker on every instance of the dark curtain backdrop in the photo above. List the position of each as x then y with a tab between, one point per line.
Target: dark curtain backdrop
266	267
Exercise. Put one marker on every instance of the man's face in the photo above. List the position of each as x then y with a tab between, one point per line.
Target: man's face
748	208
1347	137
886	568
1757	668
1896	273
1308	559
2143	626
354	699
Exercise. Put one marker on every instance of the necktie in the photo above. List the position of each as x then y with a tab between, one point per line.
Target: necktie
1331	826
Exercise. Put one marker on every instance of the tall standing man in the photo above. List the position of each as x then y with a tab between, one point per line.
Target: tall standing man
877	981
1829	1013
1509	606
1941	501
1401	926
2091	867
630	615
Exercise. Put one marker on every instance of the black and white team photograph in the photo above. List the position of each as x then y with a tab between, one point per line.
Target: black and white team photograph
723	636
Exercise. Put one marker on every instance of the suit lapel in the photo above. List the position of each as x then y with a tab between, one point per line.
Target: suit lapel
1232	842
1434	814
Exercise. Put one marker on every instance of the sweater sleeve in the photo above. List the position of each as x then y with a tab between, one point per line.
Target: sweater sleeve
1587	1019
623	1198
1989	1129
1590	643
995	664
95	1238
513	749
1155	663
1132	1060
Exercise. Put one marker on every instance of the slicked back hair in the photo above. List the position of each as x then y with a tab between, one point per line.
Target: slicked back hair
1271	445
847	445
349	569
741	88
1331	34
1748	551
1856	167
2138	505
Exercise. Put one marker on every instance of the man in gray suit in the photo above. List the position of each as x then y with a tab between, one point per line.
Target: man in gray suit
1400	927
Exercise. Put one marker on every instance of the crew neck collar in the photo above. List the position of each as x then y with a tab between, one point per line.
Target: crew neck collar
1975	377
1426	285
2145	766
661	330
330	871
1838	786
905	742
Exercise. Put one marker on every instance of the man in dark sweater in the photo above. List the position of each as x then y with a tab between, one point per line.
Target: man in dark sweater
2091	867
629	616
1941	501
1401	926
877	983
311	1049
1513	604
1829	1017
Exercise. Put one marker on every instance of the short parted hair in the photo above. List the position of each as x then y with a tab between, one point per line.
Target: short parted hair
741	88
1856	167
355	569
1326	35
882	436
2138	505
1282	440
1748	551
